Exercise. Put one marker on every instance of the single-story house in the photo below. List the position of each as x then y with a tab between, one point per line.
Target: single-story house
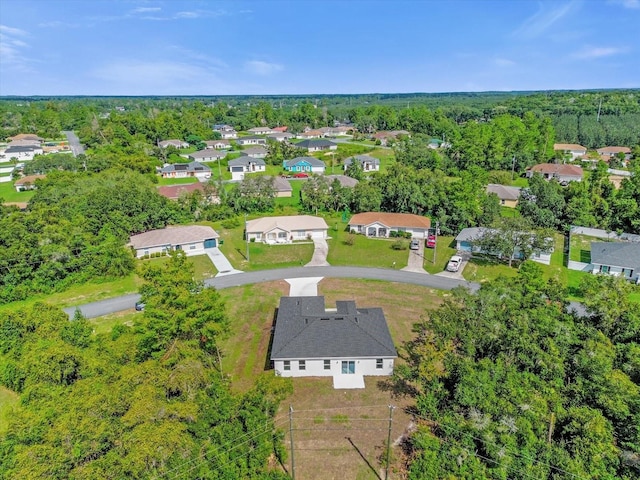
286	229
207	155
181	170
563	173
282	187
192	239
335	131
255	152
174	192
384	137
368	163
345	181
26	136
576	151
304	164
346	343
380	224
260	131
27	183
218	144
22	153
243	165
173	143
508	195
308	134
607	153
464	243
616	258
280	128
317	145
222	127
252	140
228	134
280	136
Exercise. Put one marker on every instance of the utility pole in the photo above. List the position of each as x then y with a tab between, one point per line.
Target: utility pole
435	245
246	234
513	166
293	463
386	473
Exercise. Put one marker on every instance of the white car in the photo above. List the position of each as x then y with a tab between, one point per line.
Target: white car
454	263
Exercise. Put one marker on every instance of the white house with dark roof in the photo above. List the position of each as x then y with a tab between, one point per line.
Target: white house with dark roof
228	134
218	144
616	258
346	343
465	243
192	239
304	164
367	162
241	166
22	152
182	170
280	136
286	229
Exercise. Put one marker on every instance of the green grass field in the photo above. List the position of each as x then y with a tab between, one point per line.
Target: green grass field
8	399
581	247
446	248
8	193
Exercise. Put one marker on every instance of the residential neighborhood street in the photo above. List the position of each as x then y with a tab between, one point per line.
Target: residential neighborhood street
112	305
74	143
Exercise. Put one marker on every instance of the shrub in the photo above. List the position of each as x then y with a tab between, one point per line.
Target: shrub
350	240
231	223
400	245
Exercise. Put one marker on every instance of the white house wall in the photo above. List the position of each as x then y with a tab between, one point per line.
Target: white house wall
194	248
315	367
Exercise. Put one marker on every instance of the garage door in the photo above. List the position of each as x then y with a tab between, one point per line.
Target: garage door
210	243
318	234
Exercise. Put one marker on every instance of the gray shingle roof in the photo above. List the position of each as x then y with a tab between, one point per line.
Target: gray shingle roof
315	143
185	167
314	162
245	161
614	254
305	330
504	192
362	159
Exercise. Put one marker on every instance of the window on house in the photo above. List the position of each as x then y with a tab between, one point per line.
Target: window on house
302	365
282	234
348	367
327	364
287	365
378	363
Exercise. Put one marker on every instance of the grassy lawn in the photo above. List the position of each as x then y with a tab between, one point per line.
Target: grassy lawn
176	181
446	248
317	405
365	252
581	247
8	193
509	212
8	399
294	199
480	269
106	323
261	256
520	182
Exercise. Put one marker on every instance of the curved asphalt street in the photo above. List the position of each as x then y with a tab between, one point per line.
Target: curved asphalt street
112	305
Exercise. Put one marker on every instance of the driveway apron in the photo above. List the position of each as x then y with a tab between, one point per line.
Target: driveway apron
221	263
320	251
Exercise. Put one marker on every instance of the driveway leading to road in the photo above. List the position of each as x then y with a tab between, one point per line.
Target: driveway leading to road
112	305
416	259
74	143
320	252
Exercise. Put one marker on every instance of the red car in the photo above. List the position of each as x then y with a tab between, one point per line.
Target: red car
300	175
431	241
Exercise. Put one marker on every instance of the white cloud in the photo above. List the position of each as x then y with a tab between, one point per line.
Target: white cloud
599	52
634	4
547	15
145	10
12	49
202	59
258	67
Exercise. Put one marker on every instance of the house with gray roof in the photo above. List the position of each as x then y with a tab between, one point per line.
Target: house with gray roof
255	152
251	140
467	236
317	145
507	195
182	170
207	155
345	343
280	136
367	162
241	166
616	258
304	164
192	239
345	181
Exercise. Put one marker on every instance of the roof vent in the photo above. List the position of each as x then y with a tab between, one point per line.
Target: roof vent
325	318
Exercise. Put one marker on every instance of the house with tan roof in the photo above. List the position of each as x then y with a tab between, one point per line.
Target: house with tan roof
380	224
576	151
173	143
507	195
607	153
385	137
218	144
174	192
27	183
286	229
27	136
561	172
260	131
192	239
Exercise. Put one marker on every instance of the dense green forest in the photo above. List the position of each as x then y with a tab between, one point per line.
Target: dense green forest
147	401
507	384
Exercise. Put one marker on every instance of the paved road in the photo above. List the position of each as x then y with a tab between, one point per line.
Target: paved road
112	305
74	143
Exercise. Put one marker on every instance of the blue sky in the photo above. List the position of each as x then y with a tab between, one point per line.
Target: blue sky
190	47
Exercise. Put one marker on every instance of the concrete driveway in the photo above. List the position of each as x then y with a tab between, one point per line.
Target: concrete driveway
457	275
416	259
320	252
